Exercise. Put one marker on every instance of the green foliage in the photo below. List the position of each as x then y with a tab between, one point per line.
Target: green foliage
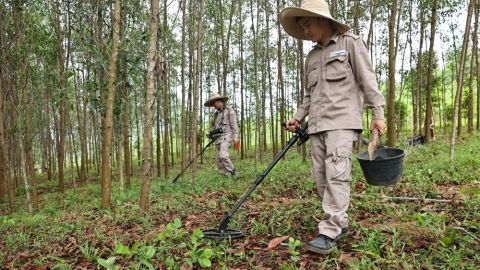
292	245
90	253
108	263
387	234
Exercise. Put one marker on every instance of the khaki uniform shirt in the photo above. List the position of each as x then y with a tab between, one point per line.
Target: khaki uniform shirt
226	119
339	80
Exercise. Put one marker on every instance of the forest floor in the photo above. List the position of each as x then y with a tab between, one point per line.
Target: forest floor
437	228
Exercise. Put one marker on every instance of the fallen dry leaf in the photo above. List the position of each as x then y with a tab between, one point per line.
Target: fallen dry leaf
275	242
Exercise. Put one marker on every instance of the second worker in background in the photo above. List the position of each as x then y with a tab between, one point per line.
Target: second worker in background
226	119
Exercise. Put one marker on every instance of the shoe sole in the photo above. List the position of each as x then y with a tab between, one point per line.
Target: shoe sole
317	250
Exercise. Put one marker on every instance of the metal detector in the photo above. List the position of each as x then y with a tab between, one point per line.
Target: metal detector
222	232
212	137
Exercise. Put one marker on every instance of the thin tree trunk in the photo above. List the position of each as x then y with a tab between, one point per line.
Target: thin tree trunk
81	118
242	78
126	138
429	125
273	126
255	29
417	111
391	125
166	101
356	15
183	117
26	106
72	154
472	75
477	67
301	68
108	129
149	99
5	179
159	141
121	185
23	170
282	108
460	79
196	89
372	19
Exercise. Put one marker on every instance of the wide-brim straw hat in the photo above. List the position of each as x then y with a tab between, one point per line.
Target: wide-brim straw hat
213	98
308	8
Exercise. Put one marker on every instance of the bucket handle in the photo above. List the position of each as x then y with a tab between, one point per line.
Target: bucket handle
373	142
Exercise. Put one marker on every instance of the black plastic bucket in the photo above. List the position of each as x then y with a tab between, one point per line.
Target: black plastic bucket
386	166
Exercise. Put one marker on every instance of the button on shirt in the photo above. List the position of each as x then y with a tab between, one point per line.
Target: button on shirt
339	80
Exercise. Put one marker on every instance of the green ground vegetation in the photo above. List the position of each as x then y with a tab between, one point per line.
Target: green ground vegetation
72	231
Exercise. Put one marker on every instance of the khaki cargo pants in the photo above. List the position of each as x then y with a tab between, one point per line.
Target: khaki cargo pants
222	157
331	167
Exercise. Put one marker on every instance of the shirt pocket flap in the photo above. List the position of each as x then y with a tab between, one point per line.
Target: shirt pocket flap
337	68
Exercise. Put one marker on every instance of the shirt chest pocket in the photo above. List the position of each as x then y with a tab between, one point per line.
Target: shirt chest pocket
336	68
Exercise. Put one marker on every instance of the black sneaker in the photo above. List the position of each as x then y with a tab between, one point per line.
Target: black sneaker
235	174
321	244
344	230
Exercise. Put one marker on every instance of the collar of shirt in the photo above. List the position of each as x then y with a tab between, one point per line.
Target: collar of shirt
334	39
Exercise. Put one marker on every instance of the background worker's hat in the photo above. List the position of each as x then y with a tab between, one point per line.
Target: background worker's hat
213	97
308	8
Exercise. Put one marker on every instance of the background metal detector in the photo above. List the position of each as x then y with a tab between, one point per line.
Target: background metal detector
222	232
212	133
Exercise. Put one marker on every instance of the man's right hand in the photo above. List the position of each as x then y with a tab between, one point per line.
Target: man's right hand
291	125
208	136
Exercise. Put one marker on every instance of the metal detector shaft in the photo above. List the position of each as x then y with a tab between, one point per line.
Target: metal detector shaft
213	132
300	133
201	152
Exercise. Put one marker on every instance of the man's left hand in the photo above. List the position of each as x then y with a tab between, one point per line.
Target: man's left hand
378	124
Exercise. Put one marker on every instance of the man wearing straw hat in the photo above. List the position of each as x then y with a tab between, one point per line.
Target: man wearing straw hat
339	80
224	118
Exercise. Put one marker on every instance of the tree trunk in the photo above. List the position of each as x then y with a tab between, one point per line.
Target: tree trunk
472	74
391	121
258	130
417	109
108	128
429	125
274	125
372	19
159	139
121	185
196	90
149	99
460	79
242	77
26	106
63	106
477	67
126	138
82	132
282	108
166	96
183	118
356	17
72	153
5	179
